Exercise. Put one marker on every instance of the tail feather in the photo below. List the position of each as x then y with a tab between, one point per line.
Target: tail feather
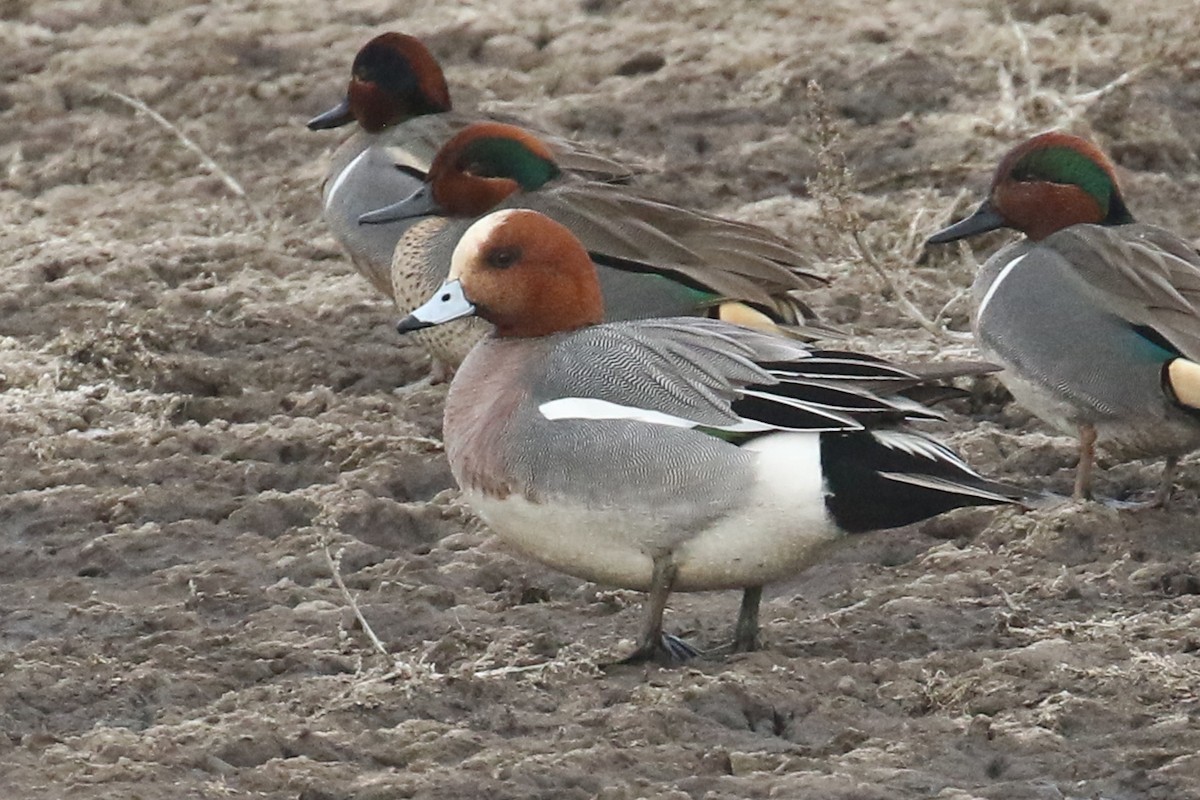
885	479
944	370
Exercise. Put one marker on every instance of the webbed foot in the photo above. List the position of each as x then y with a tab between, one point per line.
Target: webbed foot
667	651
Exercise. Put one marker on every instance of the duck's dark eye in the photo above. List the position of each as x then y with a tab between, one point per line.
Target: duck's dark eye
1025	175
479	169
503	257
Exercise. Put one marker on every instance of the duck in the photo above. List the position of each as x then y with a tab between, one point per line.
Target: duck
671	454
401	105
1094	316
655	259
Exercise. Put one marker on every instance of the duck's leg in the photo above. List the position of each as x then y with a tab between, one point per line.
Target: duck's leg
1167	484
653	644
745	634
1087	458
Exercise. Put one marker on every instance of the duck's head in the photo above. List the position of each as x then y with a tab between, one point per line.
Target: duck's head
1043	185
394	78
521	271
472	173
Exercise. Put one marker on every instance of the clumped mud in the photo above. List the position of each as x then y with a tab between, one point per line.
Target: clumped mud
205	415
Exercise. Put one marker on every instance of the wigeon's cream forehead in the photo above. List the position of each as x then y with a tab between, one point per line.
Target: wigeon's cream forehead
476	239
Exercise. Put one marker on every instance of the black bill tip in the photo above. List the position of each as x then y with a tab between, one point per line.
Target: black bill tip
336	117
983	220
411	323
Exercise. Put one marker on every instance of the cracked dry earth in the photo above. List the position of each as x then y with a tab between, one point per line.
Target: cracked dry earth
205	415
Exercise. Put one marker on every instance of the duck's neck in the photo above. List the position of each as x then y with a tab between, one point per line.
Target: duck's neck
487	393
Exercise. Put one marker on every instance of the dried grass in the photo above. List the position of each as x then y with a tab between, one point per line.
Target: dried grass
130	350
207	161
1026	103
501	658
888	255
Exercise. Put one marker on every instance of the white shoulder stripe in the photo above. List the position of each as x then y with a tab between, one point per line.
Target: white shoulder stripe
594	408
341	177
987	297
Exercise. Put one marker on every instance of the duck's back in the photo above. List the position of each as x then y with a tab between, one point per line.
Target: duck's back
691	259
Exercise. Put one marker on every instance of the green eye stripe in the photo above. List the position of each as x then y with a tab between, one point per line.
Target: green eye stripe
497	157
1066	165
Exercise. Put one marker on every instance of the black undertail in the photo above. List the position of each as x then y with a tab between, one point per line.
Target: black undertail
871	485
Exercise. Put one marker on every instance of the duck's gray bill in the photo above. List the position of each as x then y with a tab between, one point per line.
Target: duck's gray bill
983	220
418	204
335	117
447	305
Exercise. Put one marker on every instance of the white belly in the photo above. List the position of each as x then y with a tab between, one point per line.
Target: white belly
778	530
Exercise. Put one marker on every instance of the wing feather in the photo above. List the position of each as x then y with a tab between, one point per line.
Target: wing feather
718	376
1141	273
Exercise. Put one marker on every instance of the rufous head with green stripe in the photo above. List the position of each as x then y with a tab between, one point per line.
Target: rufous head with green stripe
473	172
485	163
1047	183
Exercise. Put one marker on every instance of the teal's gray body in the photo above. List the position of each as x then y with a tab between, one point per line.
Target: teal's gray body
1084	323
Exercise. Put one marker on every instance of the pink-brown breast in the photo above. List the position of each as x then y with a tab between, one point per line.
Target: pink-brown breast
485	400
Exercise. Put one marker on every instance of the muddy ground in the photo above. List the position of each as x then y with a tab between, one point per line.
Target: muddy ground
200	399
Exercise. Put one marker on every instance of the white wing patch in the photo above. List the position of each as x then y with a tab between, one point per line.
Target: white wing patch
987	297
594	408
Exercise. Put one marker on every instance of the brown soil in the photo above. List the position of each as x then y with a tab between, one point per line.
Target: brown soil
198	396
